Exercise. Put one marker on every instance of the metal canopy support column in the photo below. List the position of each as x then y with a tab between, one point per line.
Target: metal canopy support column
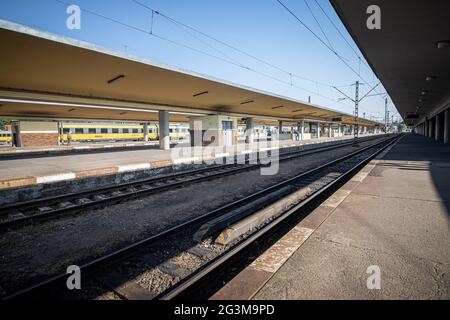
146	132
301	129
447	126
249	130
436	128
164	138
430	128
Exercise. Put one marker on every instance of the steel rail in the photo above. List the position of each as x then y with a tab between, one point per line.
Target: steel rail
116	256
203	271
230	169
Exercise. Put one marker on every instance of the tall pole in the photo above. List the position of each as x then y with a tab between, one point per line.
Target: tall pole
388	123
356	131
385	115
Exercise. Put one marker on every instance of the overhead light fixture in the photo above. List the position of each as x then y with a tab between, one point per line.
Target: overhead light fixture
71	110
298	110
443	44
430	78
116	78
122	113
277	107
424	92
247	101
200	94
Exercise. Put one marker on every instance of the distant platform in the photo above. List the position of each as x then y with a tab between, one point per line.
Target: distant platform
393	216
27	171
7	151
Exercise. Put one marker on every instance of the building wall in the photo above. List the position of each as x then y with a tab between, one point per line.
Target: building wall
211	129
38	133
39	139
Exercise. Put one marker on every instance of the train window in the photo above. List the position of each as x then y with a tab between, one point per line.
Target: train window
66	130
125	130
170	130
103	130
78	130
92	131
135	130
115	130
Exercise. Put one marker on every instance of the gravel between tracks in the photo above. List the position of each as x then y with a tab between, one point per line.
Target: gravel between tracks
34	252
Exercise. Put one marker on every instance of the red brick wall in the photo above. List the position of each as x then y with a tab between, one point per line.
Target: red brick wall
39	139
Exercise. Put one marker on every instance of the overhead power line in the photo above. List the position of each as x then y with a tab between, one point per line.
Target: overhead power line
317	21
342	36
323	42
174	21
152	33
320	39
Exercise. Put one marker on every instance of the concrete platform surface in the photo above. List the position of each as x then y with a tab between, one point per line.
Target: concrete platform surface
29	171
397	219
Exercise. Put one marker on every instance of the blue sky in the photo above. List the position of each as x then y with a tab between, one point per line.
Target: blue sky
262	28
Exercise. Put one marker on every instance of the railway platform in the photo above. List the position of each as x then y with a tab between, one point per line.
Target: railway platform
7	151
385	234
28	171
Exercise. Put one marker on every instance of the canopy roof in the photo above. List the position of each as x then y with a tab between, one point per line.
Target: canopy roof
50	76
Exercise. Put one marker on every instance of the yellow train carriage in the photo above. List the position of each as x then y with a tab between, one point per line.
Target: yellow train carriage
5	137
117	132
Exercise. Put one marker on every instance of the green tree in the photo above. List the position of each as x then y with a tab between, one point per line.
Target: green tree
4	122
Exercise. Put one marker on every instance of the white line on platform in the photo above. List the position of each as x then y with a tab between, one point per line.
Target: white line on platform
185	160
266	149
133	167
221	155
56	177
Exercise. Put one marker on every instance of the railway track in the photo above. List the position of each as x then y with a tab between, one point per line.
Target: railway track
18	214
165	265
